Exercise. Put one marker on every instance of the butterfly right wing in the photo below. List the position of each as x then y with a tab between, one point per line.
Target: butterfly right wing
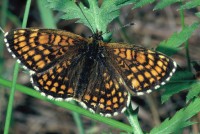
40	49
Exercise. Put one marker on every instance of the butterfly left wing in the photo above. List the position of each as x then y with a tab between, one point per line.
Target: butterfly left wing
40	49
143	70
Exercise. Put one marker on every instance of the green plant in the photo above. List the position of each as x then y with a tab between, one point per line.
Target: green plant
106	13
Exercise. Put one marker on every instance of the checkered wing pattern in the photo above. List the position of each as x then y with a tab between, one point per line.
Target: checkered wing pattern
106	93
142	70
40	49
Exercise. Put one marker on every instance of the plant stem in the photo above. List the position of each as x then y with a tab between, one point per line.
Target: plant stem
16	70
186	43
133	120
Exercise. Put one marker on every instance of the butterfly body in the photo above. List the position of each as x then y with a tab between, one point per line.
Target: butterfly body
97	74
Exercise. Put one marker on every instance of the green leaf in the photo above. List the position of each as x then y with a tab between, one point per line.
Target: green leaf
141	3
179	120
172	45
94	17
197	14
191	4
164	3
180	81
194	91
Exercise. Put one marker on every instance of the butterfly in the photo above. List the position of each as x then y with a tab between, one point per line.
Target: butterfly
99	75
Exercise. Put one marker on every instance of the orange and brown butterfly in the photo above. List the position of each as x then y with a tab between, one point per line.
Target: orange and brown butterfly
101	76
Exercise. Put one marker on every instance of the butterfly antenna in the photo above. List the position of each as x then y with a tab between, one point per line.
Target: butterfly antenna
2	30
119	28
84	15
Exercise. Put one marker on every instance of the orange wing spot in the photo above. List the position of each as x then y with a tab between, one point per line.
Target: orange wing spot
164	67
146	85
46	87
63	43
108	103
150	56
116	51
122	49
119	94
128	54
160	63
108	95
134	69
109	108
57	40
121	100
158	78
87	97
21	38
41	64
31	40
113	92
46	52
22	44
102	100
140	78
101	106
140	67
37	57
122	55
16	47
49	83
15	36
30	62
15	41
59	70
45	77
103	92
63	87
115	105
163	74
154	72
61	92
33	44
53	89
25	56
41	48
71	41
52	38
21	31
41	82
19	52
133	53
93	104
70	90
25	49
33	35
141	58
31	52
151	63
115	99
166	63
147	74
55	84
94	98
130	76
43	39
152	80
107	86
158	69
135	83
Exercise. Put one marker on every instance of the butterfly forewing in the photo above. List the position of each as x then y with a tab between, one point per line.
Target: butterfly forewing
142	70
40	49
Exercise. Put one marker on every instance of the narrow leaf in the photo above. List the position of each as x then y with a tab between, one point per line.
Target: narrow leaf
143	3
191	4
172	45
194	92
164	3
179	120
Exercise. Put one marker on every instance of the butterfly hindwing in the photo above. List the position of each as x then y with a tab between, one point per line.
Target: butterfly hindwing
142	70
40	49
